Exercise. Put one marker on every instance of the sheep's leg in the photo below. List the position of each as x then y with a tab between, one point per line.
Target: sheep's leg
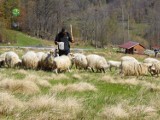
69	69
56	70
92	69
103	70
110	68
116	68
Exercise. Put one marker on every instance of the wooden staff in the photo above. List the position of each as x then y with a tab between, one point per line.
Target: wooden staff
71	33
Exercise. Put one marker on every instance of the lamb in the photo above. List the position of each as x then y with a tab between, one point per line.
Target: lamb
12	59
97	62
115	64
62	63
30	60
133	68
46	62
80	60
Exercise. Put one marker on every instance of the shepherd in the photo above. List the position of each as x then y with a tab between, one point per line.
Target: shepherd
63	39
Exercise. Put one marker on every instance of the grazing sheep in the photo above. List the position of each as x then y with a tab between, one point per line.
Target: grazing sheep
133	68
80	60
150	61
39	56
128	58
115	64
12	59
2	59
30	60
62	63
46	62
155	69
97	62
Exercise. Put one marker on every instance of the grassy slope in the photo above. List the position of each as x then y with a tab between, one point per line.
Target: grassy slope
25	40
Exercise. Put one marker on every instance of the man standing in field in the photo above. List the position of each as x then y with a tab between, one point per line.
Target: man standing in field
62	40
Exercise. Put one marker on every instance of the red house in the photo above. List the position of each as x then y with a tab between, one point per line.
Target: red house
133	47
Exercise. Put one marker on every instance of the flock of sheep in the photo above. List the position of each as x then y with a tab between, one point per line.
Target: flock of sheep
47	61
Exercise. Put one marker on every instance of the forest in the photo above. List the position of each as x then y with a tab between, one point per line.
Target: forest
98	22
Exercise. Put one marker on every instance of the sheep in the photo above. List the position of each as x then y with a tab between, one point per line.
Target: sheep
12	59
80	60
154	69
115	64
46	62
150	61
129	58
133	68
30	60
2	59
97	62
39	56
62	63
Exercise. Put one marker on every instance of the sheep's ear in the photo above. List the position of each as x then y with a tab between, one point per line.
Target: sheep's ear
71	54
51	51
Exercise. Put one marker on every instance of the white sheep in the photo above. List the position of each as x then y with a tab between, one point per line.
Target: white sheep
46	62
2	59
154	69
12	59
128	58
150	61
39	56
30	60
62	63
115	64
80	60
133	68
97	62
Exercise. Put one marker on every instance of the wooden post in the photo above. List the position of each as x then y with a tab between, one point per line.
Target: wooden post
71	33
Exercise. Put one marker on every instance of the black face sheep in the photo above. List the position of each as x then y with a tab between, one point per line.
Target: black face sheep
30	60
155	69
2	59
97	62
12	59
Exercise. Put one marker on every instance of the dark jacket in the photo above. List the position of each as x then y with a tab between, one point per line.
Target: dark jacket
64	37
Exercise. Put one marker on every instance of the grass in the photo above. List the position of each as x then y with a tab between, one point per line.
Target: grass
17	38
79	94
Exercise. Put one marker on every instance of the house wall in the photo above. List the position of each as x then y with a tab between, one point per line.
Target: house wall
139	49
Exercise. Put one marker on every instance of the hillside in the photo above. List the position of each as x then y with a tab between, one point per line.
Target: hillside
16	38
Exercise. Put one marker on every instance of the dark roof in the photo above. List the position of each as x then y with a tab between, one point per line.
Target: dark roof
129	45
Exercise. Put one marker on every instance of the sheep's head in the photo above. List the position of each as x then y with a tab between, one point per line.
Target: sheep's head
106	66
19	64
71	56
52	52
152	69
